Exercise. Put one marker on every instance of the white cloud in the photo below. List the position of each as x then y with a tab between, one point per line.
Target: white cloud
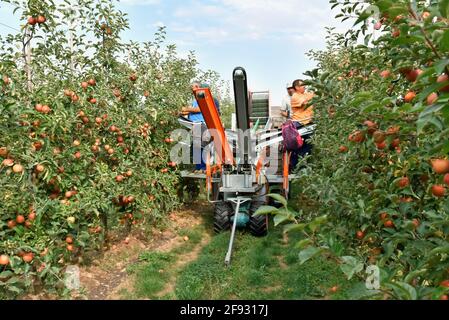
199	10
159	24
176	27
293	20
184	43
260	34
140	2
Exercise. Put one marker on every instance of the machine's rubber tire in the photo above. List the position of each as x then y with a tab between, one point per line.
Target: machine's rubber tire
222	216
258	225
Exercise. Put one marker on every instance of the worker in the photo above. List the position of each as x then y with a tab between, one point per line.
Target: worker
302	115
286	106
193	110
193	113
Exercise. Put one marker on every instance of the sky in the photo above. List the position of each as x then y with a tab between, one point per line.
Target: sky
269	38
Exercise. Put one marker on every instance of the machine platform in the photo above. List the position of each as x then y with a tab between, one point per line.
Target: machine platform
270	178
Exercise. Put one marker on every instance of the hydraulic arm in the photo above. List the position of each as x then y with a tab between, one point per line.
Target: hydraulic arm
215	126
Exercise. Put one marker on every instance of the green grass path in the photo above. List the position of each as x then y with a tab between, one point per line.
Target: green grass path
261	268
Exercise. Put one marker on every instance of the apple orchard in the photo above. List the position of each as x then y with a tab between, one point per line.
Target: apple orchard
85	129
379	174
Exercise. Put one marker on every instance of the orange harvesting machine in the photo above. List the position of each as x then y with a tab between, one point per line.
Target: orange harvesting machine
242	165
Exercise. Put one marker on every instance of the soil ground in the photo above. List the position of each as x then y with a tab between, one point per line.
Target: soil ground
108	276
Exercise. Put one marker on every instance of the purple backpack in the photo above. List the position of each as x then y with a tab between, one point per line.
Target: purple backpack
292	139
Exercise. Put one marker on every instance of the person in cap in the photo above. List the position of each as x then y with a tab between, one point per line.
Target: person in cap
302	111
286	107
194	114
302	115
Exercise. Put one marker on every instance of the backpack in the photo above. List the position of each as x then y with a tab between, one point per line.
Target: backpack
292	139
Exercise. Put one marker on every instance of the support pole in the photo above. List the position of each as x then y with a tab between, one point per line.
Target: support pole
238	202
231	241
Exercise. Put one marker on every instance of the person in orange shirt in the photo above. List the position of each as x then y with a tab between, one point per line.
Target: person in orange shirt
302	115
301	111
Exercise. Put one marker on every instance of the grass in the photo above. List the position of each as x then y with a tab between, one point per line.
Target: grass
155	269
154	276
261	268
195	236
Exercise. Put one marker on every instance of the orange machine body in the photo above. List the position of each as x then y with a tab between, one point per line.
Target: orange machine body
213	122
285	171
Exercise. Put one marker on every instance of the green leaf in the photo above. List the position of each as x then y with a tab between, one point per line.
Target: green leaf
308	254
430	71
384	4
409	226
281	218
432	109
6	274
429	89
14	289
403	290
303	243
351	266
264	210
360	292
439	250
364	15
440	148
324	76
441	64
294	227
361	204
13	280
316	223
429	119
372	106
412	275
278	198
444	7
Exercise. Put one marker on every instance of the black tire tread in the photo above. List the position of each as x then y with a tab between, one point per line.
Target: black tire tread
257	225
222	217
